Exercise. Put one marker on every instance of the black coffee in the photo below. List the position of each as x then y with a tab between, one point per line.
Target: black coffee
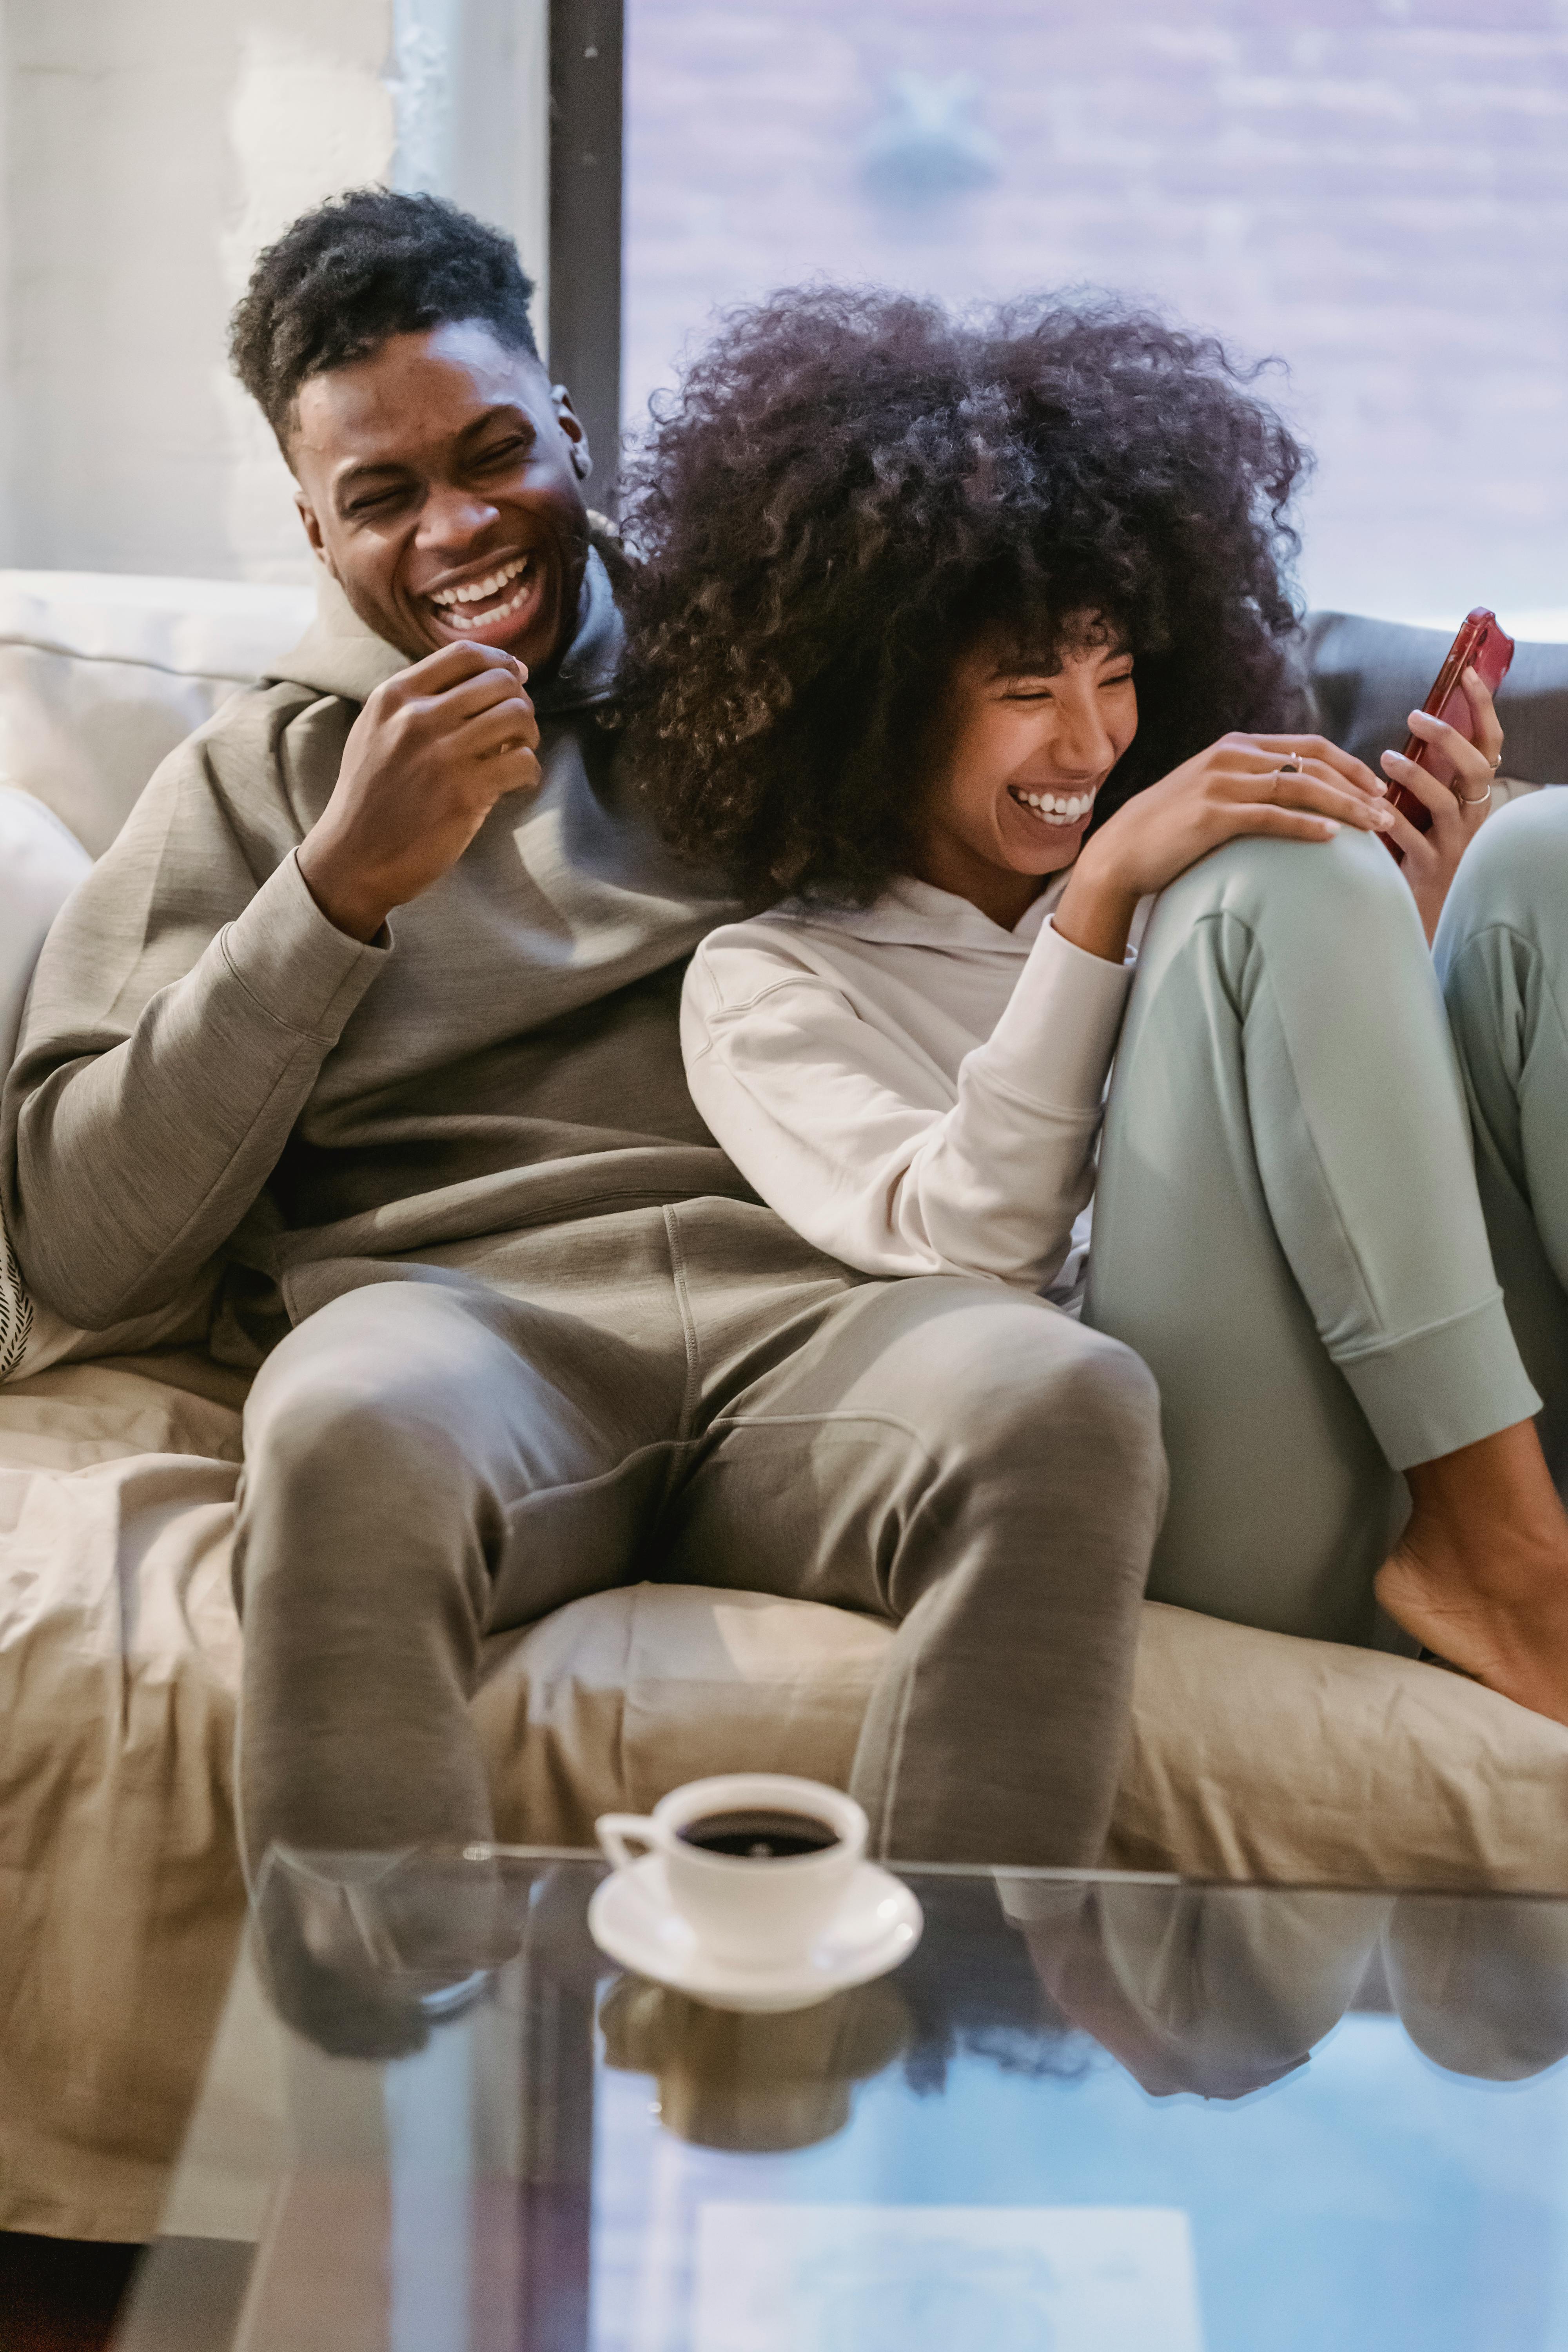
759	1836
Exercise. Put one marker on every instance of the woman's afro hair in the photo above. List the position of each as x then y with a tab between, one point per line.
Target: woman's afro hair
851	487
368	265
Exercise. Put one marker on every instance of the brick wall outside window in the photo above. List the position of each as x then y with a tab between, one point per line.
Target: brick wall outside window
1377	190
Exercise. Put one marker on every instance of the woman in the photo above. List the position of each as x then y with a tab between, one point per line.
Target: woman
953	644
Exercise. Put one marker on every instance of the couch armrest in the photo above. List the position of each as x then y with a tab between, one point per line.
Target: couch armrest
40	864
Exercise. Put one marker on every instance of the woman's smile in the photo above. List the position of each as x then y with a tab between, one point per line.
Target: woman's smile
1058	809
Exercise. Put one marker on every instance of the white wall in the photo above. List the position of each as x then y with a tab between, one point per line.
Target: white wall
148	149
470	80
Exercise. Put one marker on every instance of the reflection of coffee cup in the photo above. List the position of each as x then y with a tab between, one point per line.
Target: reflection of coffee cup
760	2083
756	1862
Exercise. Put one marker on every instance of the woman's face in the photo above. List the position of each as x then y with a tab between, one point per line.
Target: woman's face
1020	757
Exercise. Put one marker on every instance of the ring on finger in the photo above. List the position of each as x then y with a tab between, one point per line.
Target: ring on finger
1476	800
1287	767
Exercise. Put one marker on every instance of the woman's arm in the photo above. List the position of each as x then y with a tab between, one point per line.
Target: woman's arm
851	1129
1295	787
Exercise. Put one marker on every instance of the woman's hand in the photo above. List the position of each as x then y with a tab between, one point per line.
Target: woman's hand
1458	796
1297	787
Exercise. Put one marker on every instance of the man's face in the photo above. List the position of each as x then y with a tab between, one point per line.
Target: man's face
441	481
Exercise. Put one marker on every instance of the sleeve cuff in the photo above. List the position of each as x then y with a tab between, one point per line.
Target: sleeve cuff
299	967
1055	1042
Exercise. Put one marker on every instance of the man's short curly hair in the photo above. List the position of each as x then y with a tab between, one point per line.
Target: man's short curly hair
851	487
368	265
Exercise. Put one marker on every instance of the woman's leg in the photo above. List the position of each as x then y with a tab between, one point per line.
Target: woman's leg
1287	1230
1478	1572
1501	954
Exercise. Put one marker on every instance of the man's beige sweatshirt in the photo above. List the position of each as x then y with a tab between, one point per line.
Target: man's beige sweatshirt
220	1096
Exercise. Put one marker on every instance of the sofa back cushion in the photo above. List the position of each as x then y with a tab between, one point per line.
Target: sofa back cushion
101	675
1368	676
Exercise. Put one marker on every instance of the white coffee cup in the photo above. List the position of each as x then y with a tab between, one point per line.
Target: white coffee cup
753	1911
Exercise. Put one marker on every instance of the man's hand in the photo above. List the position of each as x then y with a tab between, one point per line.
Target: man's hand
425	761
1293	787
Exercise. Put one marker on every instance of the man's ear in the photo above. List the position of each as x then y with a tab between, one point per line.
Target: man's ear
570	425
313	530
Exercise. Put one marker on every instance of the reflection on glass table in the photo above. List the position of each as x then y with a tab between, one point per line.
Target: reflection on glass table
1093	2114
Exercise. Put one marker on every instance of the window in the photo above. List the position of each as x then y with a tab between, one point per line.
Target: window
1375	190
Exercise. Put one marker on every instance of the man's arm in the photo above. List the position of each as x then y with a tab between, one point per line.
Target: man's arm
188	995
180	1014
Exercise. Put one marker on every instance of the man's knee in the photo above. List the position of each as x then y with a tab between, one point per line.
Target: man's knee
1100	1400
1020	1378
354	1462
367	1390
370	1436
356	1500
1047	1473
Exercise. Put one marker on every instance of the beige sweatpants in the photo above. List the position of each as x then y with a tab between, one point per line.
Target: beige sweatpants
692	1393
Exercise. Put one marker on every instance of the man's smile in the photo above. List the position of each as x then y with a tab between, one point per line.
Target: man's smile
491	605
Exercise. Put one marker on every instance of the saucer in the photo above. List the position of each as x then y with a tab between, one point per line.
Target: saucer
632	1918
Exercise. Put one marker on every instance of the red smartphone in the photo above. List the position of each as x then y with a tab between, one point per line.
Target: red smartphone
1481	645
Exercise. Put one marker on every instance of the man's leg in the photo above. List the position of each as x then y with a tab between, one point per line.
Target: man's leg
424	1461
1287	1230
971	1464
1502	953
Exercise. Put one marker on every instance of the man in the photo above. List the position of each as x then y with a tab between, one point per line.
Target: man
362	1038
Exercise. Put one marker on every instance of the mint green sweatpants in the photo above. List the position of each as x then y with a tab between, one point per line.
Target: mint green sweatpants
1501	954
1289	1231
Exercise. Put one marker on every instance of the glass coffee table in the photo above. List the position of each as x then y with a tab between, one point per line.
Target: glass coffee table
1088	2114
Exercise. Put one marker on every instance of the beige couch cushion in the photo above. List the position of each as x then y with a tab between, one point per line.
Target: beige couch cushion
1251	1754
101	675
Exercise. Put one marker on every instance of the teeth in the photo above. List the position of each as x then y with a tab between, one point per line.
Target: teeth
502	612
474	592
1056	808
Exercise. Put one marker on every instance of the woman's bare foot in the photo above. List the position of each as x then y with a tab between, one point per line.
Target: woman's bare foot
1480	1574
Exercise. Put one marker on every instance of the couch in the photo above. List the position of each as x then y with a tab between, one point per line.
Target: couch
1250	1755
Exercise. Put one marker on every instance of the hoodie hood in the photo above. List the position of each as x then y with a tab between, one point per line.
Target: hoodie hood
340	653
916	914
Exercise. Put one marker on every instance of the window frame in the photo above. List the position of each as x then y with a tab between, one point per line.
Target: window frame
587	53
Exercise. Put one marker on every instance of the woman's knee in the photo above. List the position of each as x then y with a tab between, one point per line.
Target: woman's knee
1514	875
1339	887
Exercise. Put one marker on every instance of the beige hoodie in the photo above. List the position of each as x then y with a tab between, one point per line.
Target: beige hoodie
216	1089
